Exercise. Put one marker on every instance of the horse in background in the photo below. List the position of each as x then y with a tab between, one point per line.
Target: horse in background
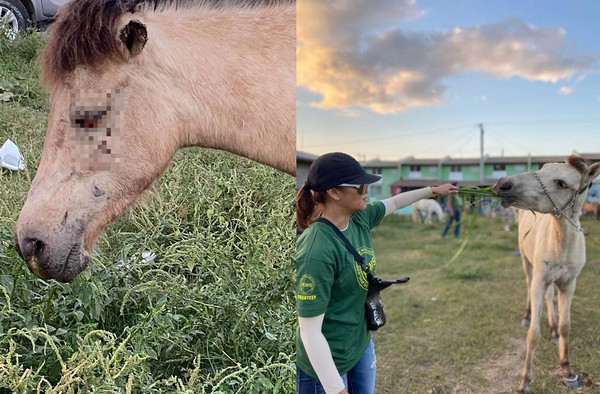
591	208
133	81
425	209
552	247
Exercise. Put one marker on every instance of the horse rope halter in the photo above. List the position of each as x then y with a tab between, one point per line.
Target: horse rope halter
558	212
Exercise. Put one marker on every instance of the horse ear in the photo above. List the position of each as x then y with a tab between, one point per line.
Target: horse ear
594	171
131	38
578	163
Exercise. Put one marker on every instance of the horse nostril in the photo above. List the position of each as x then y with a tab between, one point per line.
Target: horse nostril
31	247
39	247
506	186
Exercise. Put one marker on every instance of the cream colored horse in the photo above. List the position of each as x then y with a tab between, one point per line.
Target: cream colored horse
130	83
426	208
553	251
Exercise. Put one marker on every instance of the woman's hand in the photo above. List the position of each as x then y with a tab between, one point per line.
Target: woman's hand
445	189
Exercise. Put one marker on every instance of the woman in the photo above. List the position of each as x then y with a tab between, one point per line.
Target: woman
335	350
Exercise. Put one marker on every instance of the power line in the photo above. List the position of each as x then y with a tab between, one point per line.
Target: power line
497	136
497	140
445	129
392	136
530	121
462	139
503	137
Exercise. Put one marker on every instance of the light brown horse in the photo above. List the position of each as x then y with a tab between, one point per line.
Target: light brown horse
591	207
131	82
552	247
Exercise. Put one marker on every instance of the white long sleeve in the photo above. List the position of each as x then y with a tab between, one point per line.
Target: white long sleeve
319	353
402	200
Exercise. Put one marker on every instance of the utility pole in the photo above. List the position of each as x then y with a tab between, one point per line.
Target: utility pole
481	164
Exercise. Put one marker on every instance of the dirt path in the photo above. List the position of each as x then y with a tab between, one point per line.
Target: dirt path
503	372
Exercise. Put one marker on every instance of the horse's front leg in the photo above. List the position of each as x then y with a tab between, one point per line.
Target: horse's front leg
527	268
552	322
428	218
565	296
537	291
415	216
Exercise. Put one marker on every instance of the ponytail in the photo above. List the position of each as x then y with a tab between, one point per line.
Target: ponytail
306	203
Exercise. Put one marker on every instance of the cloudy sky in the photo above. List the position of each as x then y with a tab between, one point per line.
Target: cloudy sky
397	78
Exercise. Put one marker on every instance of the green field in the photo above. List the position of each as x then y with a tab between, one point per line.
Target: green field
213	312
456	327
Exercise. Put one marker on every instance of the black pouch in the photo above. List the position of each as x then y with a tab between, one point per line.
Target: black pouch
374	310
373	304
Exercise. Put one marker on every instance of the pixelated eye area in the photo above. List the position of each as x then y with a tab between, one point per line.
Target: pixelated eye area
86	123
88	119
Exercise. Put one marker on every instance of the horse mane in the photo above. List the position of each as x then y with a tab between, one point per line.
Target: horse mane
579	163
84	30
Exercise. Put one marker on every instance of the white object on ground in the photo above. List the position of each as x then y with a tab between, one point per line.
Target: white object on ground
148	256
10	157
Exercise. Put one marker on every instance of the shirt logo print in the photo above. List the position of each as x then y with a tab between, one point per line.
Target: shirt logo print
306	286
361	276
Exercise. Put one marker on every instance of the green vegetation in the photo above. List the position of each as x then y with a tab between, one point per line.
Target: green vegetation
213	312
456	326
482	192
475	196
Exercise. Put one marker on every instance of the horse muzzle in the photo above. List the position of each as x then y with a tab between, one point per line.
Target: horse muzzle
62	262
505	188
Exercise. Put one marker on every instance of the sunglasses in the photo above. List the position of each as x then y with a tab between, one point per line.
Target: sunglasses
362	189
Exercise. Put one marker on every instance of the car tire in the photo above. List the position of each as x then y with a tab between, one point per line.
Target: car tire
16	14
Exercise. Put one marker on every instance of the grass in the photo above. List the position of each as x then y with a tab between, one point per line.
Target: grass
455	328
213	312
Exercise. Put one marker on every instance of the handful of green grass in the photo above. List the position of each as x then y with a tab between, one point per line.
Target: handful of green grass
477	192
475	195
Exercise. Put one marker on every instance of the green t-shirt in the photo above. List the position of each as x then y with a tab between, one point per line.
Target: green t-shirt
457	202
329	281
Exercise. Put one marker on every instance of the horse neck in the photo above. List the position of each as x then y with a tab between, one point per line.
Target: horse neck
226	79
563	230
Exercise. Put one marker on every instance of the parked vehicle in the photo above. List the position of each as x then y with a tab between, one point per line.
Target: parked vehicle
17	15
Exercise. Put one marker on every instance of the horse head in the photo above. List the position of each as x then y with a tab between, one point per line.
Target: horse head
99	154
126	92
555	185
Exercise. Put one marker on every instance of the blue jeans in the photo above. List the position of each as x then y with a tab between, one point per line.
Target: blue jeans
359	380
455	217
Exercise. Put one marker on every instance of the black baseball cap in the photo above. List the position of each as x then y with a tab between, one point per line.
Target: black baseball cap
333	169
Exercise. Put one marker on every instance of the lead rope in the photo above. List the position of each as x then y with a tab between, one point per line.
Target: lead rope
556	211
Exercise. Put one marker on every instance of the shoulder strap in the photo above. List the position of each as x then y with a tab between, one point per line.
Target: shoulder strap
377	283
359	259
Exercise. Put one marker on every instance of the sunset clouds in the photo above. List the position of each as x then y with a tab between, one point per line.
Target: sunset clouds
357	54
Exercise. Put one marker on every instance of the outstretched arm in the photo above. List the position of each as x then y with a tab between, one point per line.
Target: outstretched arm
402	200
319	354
